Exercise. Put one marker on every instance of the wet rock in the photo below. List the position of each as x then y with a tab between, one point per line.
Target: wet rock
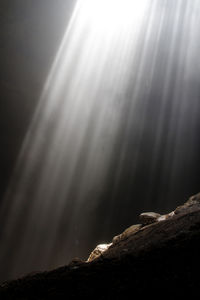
165	217
192	201
98	251
147	218
126	233
75	263
195	199
162	256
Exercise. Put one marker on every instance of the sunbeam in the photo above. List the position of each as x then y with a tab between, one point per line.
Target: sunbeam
111	88
112	16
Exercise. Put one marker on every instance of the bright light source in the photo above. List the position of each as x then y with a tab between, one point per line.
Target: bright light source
109	15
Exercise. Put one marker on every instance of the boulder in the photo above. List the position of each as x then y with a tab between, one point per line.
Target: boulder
148	217
146	259
126	233
98	251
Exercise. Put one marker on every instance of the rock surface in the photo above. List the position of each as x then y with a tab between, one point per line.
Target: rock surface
149	217
99	250
161	258
126	233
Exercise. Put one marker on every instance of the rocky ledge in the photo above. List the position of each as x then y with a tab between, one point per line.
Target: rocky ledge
158	257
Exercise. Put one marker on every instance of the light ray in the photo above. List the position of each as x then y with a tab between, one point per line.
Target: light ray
91	113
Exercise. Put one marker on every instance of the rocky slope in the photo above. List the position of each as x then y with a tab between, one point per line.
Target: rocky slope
158	257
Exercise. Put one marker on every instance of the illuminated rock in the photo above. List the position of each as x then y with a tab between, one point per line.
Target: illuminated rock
165	217
98	251
161	256
126	233
148	217
192	202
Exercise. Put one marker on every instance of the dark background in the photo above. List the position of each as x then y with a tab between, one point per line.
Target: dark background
31	32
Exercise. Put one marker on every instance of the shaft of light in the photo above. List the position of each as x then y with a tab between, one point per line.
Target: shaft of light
97	91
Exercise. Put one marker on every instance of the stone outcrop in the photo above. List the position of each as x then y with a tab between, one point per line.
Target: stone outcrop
147	259
146	219
100	249
126	233
192	204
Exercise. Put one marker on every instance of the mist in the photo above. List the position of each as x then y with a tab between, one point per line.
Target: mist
114	130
